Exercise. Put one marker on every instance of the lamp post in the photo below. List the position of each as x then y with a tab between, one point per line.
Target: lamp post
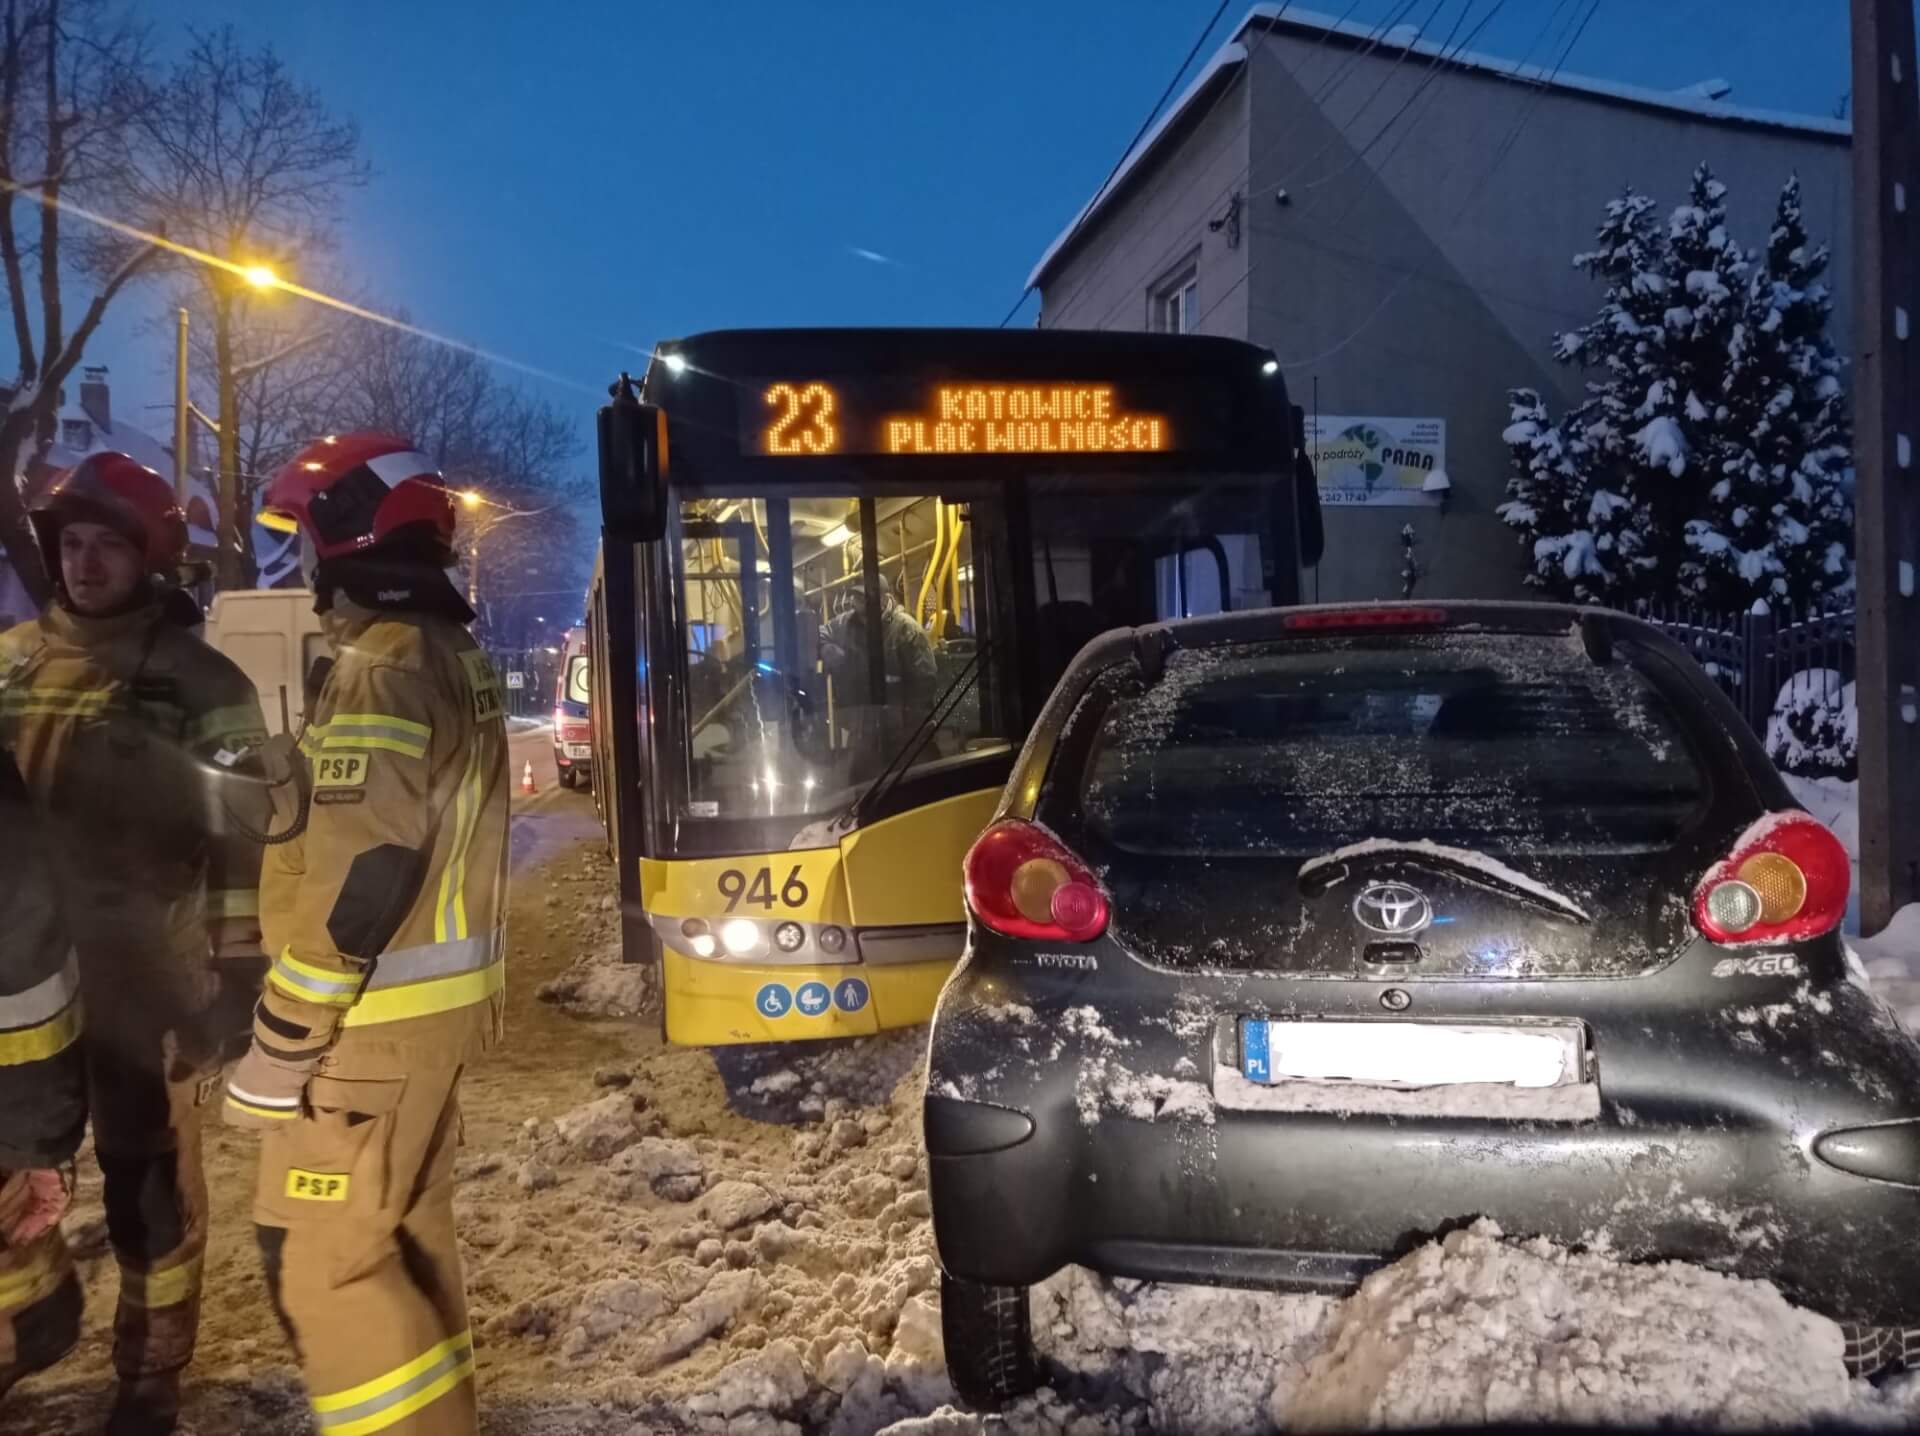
226	284
479	527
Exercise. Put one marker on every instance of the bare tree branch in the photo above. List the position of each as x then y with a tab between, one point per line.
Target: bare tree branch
70	86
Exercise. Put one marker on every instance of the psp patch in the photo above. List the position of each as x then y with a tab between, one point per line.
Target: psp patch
341	777
340	770
485	683
317	1186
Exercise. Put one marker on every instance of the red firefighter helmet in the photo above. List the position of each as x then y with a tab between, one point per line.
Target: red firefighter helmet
125	495
348	493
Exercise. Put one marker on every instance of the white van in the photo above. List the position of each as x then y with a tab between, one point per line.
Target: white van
274	635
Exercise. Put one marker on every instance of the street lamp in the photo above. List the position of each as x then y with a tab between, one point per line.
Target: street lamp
227	538
472	500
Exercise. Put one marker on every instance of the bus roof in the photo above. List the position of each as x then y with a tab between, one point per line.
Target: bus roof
887	349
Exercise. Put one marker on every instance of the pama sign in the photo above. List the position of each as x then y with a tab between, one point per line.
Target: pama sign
1367	460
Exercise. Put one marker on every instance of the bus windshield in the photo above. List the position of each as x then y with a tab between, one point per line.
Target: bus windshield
820	635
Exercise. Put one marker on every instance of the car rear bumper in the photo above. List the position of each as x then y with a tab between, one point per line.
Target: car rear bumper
1037	1166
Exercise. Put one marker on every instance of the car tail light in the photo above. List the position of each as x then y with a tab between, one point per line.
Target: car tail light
1351	618
1023	882
1786	881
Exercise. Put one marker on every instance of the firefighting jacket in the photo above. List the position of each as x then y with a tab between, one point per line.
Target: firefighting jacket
42	1087
384	916
129	732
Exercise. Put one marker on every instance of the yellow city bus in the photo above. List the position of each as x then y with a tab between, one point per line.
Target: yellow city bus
840	572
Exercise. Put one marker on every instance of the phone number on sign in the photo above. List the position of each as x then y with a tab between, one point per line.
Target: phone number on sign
1385	497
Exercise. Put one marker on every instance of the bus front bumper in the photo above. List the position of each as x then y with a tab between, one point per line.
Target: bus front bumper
717	1003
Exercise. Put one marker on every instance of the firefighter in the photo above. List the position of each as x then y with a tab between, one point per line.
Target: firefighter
42	1099
128	729
384	922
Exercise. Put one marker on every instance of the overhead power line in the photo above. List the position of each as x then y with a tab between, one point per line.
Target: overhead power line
1139	135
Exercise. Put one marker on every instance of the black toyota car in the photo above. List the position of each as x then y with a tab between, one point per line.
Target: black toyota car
1302	936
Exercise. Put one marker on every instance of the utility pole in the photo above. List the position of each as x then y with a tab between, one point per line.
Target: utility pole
182	435
1886	421
226	564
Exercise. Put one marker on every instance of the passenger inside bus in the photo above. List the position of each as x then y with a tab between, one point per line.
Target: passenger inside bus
792	706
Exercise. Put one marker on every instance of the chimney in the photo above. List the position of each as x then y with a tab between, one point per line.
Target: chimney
93	398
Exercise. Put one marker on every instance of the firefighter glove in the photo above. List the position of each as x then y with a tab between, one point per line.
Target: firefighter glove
32	1203
266	1089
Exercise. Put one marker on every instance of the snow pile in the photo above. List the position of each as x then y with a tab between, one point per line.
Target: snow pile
1472	1329
1182	1358
597	983
796	1081
1814	731
1891	960
782	1273
1475	1329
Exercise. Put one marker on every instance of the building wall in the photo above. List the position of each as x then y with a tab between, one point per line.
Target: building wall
1410	275
1159	220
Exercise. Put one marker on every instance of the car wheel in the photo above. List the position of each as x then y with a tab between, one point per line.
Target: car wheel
566	777
1880	1350
989	1339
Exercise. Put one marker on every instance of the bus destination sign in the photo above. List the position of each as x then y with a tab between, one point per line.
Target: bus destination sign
799	418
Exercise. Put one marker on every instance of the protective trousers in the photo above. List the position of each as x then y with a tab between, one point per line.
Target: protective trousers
147	1110
39	1299
355	1220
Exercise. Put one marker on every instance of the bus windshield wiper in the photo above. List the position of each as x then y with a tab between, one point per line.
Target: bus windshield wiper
943	707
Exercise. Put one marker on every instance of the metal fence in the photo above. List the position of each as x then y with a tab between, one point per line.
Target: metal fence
1753	655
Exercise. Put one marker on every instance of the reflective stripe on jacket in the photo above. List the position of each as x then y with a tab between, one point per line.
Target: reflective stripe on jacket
42	1092
389	907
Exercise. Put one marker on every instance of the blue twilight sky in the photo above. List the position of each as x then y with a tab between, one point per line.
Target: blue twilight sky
555	180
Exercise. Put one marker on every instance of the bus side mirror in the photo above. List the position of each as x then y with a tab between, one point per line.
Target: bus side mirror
633	466
1306	492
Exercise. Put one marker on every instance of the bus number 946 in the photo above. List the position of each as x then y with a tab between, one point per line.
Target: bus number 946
736	889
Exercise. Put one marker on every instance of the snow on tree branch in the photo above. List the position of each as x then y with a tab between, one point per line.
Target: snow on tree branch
1712	455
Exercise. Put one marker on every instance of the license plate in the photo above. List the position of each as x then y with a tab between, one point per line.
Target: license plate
579	750
1413	1054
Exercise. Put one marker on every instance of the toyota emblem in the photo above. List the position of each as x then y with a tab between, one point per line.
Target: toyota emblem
1393	909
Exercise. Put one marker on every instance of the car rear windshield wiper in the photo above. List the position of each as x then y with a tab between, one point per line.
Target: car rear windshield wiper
1329	870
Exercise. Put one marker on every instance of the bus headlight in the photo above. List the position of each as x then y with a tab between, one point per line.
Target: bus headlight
699	941
739	936
789	936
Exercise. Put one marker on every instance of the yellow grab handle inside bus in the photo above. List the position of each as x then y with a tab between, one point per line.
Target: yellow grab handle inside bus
933	563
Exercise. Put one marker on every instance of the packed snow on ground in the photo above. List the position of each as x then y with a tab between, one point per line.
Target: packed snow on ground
669	1281
598	983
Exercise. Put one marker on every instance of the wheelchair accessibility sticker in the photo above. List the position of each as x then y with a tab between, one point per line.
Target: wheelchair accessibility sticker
773	1000
850	995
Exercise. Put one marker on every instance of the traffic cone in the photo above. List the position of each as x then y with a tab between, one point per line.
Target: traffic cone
526	778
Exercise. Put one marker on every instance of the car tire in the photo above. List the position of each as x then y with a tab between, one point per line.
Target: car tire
566	778
988	1332
1880	1350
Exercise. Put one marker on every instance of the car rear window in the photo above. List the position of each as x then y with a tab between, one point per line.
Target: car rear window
1515	743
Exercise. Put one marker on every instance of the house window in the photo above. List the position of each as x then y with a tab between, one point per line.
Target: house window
1173	301
76	433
